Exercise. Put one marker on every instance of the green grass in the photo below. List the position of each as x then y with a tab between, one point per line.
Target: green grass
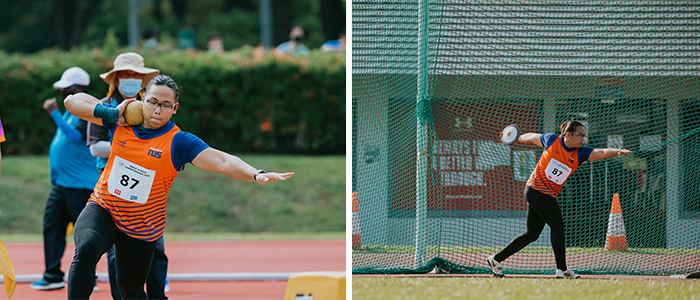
312	201
406	288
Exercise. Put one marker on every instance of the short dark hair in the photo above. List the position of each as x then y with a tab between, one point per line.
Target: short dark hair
166	81
82	88
149	33
570	126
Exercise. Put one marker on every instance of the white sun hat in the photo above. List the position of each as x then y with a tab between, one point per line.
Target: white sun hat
130	61
71	77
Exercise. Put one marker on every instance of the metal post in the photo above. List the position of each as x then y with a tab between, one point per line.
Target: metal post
673	179
266	23
133	24
422	102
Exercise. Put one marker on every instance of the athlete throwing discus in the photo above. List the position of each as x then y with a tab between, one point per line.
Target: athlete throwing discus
561	157
128	205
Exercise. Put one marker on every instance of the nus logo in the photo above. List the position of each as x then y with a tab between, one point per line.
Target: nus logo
155	152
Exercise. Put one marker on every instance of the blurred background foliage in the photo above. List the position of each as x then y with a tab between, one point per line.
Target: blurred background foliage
31	25
246	99
249	100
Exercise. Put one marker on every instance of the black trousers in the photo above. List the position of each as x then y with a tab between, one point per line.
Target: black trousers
95	232
62	207
541	209
155	283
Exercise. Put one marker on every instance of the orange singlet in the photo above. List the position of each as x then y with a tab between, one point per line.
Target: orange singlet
134	185
555	166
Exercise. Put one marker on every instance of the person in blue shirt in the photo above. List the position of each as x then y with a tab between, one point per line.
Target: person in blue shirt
294	46
335	45
73	176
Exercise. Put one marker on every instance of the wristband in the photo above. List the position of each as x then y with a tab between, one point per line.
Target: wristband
260	171
109	114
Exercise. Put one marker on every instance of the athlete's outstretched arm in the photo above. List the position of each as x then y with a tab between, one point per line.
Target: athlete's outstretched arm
217	161
83	106
530	138
598	154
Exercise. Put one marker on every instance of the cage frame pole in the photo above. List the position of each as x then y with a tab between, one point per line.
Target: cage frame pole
422	102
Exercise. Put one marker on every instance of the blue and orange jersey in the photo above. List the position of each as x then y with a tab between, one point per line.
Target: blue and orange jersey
135	183
556	164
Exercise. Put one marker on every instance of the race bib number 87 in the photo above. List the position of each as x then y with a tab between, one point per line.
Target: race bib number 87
130	181
557	171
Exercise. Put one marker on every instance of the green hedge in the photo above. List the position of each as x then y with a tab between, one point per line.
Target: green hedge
225	99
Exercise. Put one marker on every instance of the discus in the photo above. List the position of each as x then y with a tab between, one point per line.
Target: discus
510	134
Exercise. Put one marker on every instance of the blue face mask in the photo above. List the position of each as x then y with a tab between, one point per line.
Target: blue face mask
129	86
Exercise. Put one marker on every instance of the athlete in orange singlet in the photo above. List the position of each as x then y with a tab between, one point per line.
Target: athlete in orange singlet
128	206
561	157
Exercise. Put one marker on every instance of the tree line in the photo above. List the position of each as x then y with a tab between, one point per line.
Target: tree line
32	25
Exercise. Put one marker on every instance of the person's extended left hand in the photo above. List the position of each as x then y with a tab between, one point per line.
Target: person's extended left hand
272	177
623	152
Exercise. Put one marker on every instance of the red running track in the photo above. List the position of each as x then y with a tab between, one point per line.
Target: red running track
203	257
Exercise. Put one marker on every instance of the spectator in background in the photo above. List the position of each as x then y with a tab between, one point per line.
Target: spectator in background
126	80
73	176
335	45
294	45
215	44
150	41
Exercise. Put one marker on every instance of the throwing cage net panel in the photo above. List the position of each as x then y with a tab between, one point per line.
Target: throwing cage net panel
434	82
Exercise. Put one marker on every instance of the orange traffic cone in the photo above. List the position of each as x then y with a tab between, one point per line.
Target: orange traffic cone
616	239
356	240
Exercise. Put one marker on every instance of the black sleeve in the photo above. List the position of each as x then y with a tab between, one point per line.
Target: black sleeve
82	127
96	133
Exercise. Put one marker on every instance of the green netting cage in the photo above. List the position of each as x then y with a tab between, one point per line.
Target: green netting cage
434	83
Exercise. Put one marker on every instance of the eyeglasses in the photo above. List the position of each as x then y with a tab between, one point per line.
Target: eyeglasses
579	134
153	104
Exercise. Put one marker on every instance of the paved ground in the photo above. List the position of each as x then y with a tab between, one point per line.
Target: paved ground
186	259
